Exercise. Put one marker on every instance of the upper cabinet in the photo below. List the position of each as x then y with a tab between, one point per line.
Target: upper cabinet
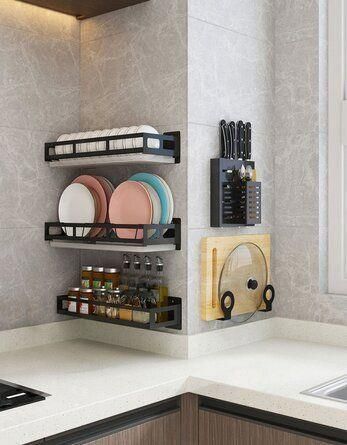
84	9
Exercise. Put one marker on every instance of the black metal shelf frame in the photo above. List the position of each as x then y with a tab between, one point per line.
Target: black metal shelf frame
164	233
169	145
174	311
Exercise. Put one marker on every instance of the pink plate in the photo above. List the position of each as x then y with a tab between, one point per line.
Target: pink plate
130	204
94	185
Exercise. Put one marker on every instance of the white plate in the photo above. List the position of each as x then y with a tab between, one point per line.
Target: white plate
171	201
60	149
100	146
113	143
89	146
152	143
76	205
119	142
80	148
128	143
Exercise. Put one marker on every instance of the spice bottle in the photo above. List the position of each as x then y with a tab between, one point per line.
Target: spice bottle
124	281
111	277
85	308
160	288
125	312
73	292
100	295
98	277
139	301
134	277
113	296
87	277
145	280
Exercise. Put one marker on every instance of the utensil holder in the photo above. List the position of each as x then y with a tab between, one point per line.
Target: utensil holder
233	202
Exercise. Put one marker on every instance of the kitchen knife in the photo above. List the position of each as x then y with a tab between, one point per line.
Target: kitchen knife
248	142
227	141
222	135
232	135
240	140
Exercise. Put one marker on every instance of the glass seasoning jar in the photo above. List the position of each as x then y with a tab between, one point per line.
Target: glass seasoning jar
100	295
125	312
113	296
98	277
139	301
111	277
87	277
85	308
73	292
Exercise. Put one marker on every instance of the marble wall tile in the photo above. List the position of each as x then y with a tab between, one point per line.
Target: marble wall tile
297	179
249	17
32	274
231	78
135	76
294	19
29	188
39	80
153	14
41	21
296	87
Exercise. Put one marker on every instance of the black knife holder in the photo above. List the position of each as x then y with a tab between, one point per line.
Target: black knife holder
233	202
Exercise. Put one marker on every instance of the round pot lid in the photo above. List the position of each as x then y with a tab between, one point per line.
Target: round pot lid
244	275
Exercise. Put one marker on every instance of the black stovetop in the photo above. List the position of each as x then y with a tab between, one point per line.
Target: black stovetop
13	395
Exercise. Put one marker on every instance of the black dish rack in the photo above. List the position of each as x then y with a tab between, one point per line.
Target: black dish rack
233	202
153	234
173	311
169	145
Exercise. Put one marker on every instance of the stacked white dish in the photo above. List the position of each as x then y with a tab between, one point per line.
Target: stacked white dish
118	144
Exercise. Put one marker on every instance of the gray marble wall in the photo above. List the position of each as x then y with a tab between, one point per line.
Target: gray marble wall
300	164
133	72
231	76
39	94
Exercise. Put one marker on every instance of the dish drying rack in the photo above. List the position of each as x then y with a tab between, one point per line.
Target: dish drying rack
166	237
168	151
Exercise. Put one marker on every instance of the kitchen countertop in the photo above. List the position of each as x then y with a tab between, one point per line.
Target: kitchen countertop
90	381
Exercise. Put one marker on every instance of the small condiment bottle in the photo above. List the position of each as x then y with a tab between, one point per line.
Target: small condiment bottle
139	301
111	277
73	292
100	295
98	277
87	277
125	312
85	308
113	296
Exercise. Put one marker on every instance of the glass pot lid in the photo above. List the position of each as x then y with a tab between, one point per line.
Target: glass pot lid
245	274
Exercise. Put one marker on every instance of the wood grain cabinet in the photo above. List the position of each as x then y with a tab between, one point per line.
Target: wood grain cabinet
222	429
163	430
196	420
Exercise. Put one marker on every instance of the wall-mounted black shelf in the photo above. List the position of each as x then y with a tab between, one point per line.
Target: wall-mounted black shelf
234	202
168	151
173	311
156	237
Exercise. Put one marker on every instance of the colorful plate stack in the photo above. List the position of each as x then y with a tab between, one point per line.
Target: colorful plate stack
85	200
143	199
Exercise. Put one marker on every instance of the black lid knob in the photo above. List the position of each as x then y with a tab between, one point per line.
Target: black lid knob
252	284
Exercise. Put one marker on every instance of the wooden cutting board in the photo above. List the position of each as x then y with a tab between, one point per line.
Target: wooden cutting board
214	252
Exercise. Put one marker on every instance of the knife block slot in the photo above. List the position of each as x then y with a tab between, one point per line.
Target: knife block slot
233	202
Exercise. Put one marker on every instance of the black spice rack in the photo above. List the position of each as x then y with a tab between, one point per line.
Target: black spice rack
173	311
168	151
233	202
156	237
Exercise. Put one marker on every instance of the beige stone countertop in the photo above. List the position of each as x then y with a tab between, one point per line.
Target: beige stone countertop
89	381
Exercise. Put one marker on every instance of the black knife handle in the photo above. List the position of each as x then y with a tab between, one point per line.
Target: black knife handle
248	140
223	142
232	131
241	139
